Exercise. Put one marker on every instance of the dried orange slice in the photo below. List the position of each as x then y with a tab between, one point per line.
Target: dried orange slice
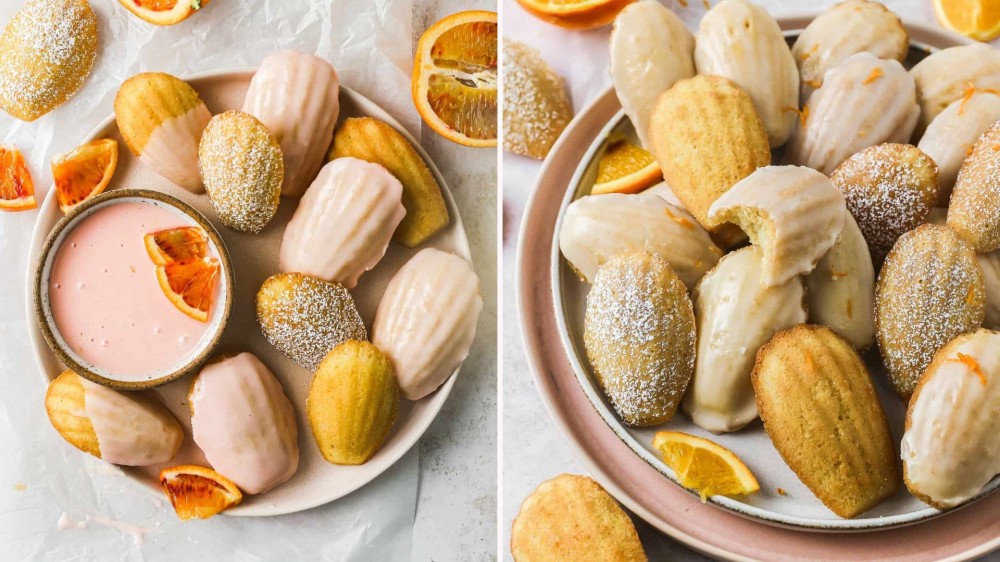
704	466
17	191
163	12
626	168
198	492
190	285
84	172
179	244
575	14
455	78
976	19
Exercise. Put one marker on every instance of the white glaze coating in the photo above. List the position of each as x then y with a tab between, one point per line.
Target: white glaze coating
991	274
943	77
130	432
172	148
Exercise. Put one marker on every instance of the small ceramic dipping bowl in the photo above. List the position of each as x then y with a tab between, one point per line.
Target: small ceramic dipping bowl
100	297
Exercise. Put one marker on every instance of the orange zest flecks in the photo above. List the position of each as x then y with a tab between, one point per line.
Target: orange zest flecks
782	492
850	309
810	366
874	75
970	150
679	220
971	90
802	113
862	133
996	148
972	365
813	83
683	3
807	54
707	4
970	297
834	274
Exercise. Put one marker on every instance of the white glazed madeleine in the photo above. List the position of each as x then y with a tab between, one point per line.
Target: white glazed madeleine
244	423
343	223
951	447
742	42
864	101
944	76
650	50
426	320
295	96
846	28
794	214
598	227
735	315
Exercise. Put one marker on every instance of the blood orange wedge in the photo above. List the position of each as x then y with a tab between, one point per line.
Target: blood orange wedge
17	191
84	172
198	492
163	12
455	78
179	244
190	285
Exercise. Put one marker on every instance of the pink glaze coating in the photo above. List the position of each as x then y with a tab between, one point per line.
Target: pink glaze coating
131	432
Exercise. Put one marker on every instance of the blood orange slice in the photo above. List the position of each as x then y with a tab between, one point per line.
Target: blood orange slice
190	285
179	244
198	492
84	172
163	12
17	191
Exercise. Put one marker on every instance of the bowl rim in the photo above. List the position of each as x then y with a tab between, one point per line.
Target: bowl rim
70	221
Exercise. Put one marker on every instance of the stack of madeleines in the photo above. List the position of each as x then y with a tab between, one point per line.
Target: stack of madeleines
881	223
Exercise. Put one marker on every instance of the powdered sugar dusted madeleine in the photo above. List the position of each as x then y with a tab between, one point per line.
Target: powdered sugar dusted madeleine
244	423
840	292
951	447
930	290
161	119
820	410
950	136
596	228
706	136
735	314
864	101
426	320
48	47
974	212
650	50
295	96
126	429
944	77
842	30
343	223
794	214
991	275
536	107
742	42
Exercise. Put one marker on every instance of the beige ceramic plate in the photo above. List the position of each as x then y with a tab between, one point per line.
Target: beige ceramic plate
254	259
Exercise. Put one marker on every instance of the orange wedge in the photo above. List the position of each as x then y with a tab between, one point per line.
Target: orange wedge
575	14
190	285
704	466
163	12
17	191
198	492
184	243
626	168
454	83
84	172
976	19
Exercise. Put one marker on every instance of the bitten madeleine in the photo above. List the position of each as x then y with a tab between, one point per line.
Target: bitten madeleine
890	189
944	76
305	317
735	315
126	429
974	212
242	166
639	335
650	51
820	410
162	118
929	290
706	136
570	518
48	47
353	402
375	141
951	447
536	107
596	228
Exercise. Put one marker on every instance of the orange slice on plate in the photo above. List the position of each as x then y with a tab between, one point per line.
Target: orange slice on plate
626	168
184	243
163	12
976	19
575	14
455	78
84	172
704	466
198	492
190	285
17	191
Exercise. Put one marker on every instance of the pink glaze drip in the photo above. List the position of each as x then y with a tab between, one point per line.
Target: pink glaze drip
106	301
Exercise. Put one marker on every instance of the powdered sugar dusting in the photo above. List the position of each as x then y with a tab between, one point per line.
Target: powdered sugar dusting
535	106
975	203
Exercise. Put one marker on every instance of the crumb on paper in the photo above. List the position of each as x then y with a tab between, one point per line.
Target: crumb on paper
782	492
20	486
